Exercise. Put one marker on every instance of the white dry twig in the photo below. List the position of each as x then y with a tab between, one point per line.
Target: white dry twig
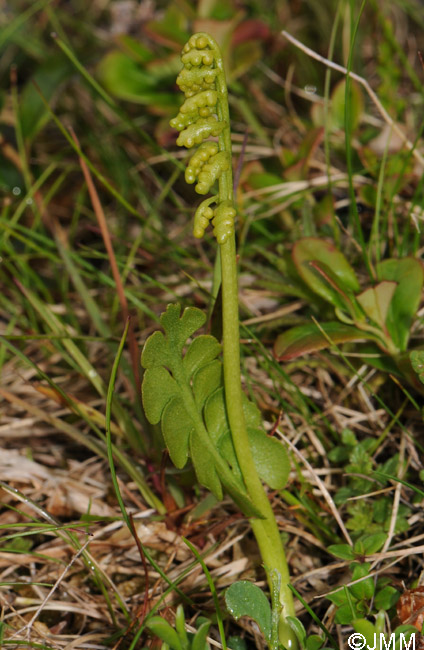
379	106
29	625
322	487
396	499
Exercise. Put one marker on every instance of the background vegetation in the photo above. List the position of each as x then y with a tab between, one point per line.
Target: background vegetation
96	224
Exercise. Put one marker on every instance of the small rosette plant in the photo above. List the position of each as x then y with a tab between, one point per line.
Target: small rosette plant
381	314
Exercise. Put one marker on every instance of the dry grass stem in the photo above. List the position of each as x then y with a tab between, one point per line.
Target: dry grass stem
335	66
321	486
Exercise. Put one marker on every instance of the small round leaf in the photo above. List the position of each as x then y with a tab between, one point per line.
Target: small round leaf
244	598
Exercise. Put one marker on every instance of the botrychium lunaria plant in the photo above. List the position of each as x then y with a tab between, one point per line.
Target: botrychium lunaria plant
193	391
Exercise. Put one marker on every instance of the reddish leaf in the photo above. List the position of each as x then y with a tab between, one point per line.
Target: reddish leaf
312	249
251	30
304	339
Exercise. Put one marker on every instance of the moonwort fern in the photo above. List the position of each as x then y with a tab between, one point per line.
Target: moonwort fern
184	392
193	391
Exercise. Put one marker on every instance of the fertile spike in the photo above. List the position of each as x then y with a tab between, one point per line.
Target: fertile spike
204	114
202	129
198	160
211	171
202	217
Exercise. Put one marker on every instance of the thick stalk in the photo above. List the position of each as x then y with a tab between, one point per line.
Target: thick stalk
266	529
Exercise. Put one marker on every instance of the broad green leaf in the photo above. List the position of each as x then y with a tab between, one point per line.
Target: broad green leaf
343	551
180	627
417	362
349	438
204	465
371	544
170	318
409	275
202	350
157	390
336	112
386	598
366	628
405	368
375	301
167	399
407	631
165	632
339	597
270	457
175	389
252	414
206	380
155	351
236	643
257	180
312	249
191	320
345	615
314	642
338	103
199	641
215	415
330	289
177	329
177	427
298	628
161	350
364	589
309	338
244	598
124	77
228	452
139	52
172	26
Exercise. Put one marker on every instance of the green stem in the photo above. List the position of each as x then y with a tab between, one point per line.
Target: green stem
266	529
